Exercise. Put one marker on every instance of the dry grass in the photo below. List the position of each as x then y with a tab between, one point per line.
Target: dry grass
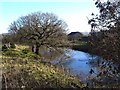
25	72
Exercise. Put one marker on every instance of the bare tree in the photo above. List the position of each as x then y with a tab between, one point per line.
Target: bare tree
39	29
105	33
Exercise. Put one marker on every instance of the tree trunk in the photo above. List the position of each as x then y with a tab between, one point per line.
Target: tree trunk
33	48
37	49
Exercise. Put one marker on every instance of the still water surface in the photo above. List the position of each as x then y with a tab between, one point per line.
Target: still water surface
80	64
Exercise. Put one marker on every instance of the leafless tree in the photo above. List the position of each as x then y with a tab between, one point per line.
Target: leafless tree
105	39
39	29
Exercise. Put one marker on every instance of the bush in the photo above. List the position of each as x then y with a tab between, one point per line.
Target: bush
32	55
81	47
4	48
12	45
32	74
25	51
11	53
29	54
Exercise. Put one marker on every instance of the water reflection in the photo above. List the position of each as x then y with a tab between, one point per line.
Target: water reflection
80	63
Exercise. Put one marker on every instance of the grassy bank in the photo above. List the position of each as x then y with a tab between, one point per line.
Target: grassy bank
80	46
23	69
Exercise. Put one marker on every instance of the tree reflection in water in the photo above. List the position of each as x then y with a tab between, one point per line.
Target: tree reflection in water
79	64
54	55
108	72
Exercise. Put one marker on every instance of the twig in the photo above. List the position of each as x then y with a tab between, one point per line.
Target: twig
5	81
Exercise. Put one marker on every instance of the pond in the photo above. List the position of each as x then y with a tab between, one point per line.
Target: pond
90	69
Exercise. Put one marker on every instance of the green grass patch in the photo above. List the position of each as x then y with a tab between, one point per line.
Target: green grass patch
80	46
19	72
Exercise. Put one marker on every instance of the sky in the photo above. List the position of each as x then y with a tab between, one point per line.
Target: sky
73	12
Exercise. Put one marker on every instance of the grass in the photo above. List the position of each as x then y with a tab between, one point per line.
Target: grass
22	71
80	46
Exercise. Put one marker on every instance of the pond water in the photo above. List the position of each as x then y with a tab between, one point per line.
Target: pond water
78	64
90	69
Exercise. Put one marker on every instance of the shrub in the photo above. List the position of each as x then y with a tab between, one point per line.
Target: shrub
12	45
32	74
25	51
81	47
29	54
4	48
32	55
11	53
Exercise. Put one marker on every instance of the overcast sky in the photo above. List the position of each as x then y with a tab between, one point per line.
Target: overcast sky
73	12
